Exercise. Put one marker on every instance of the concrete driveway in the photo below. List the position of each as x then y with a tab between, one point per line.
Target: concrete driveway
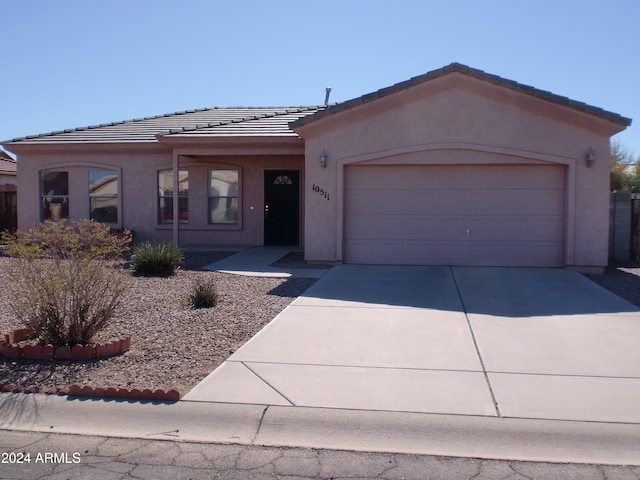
499	342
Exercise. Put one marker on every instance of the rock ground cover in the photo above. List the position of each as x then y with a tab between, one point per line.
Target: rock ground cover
173	346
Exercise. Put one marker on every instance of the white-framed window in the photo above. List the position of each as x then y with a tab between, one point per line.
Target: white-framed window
223	197
165	196
54	187
103	196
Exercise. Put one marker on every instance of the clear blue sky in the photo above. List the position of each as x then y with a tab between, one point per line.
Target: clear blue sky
73	63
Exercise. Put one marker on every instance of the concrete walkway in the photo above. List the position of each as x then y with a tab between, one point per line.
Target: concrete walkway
495	342
256	262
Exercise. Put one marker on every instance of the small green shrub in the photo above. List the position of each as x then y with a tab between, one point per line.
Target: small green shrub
203	295
66	279
156	259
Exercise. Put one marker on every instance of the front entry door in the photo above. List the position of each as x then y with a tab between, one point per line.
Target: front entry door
281	207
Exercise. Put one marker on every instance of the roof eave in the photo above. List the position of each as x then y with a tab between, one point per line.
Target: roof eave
174	139
21	147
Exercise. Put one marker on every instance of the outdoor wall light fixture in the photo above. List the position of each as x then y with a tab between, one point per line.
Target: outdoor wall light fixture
323	159
591	157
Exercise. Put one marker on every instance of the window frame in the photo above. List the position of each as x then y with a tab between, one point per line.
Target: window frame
183	198
46	213
115	196
227	197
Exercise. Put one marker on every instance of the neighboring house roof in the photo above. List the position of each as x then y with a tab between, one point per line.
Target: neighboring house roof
213	122
471	72
7	164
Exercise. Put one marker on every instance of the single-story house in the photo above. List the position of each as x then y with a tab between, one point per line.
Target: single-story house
453	167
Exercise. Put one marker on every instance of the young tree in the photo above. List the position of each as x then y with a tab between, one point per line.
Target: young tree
624	168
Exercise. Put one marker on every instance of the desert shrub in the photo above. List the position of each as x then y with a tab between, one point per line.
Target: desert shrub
65	279
156	259
203	295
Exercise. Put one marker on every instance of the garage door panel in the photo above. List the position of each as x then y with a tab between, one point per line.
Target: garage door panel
514	202
546	255
543	229
517	228
498	202
378	252
538	176
453	253
421	202
499	177
434	227
461	215
378	177
421	227
366	178
366	227
513	228
480	202
533	202
379	202
452	228
360	227
420	179
483	228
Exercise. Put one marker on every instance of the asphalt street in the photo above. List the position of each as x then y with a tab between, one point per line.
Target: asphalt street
28	455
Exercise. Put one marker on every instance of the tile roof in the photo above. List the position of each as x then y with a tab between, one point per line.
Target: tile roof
472	72
212	122
269	124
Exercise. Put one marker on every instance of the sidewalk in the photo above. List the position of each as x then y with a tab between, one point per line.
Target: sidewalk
325	428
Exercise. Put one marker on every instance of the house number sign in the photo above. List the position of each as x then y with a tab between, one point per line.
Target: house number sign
320	191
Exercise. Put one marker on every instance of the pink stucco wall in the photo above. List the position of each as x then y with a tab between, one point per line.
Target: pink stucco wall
456	119
138	167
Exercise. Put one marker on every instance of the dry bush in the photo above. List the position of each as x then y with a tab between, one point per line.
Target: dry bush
66	279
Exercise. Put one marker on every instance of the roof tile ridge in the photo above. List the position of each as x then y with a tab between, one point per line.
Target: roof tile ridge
286	111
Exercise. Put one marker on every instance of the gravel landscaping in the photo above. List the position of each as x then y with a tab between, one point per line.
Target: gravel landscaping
172	346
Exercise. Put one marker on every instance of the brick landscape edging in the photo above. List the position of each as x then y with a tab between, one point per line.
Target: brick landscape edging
10	349
115	393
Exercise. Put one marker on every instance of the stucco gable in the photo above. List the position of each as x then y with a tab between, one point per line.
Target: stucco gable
453	69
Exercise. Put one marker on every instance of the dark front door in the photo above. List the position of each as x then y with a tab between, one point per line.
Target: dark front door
281	207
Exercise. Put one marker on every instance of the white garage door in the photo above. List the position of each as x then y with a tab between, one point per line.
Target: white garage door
502	215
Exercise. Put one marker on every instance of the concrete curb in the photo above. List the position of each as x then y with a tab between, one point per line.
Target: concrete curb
336	429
